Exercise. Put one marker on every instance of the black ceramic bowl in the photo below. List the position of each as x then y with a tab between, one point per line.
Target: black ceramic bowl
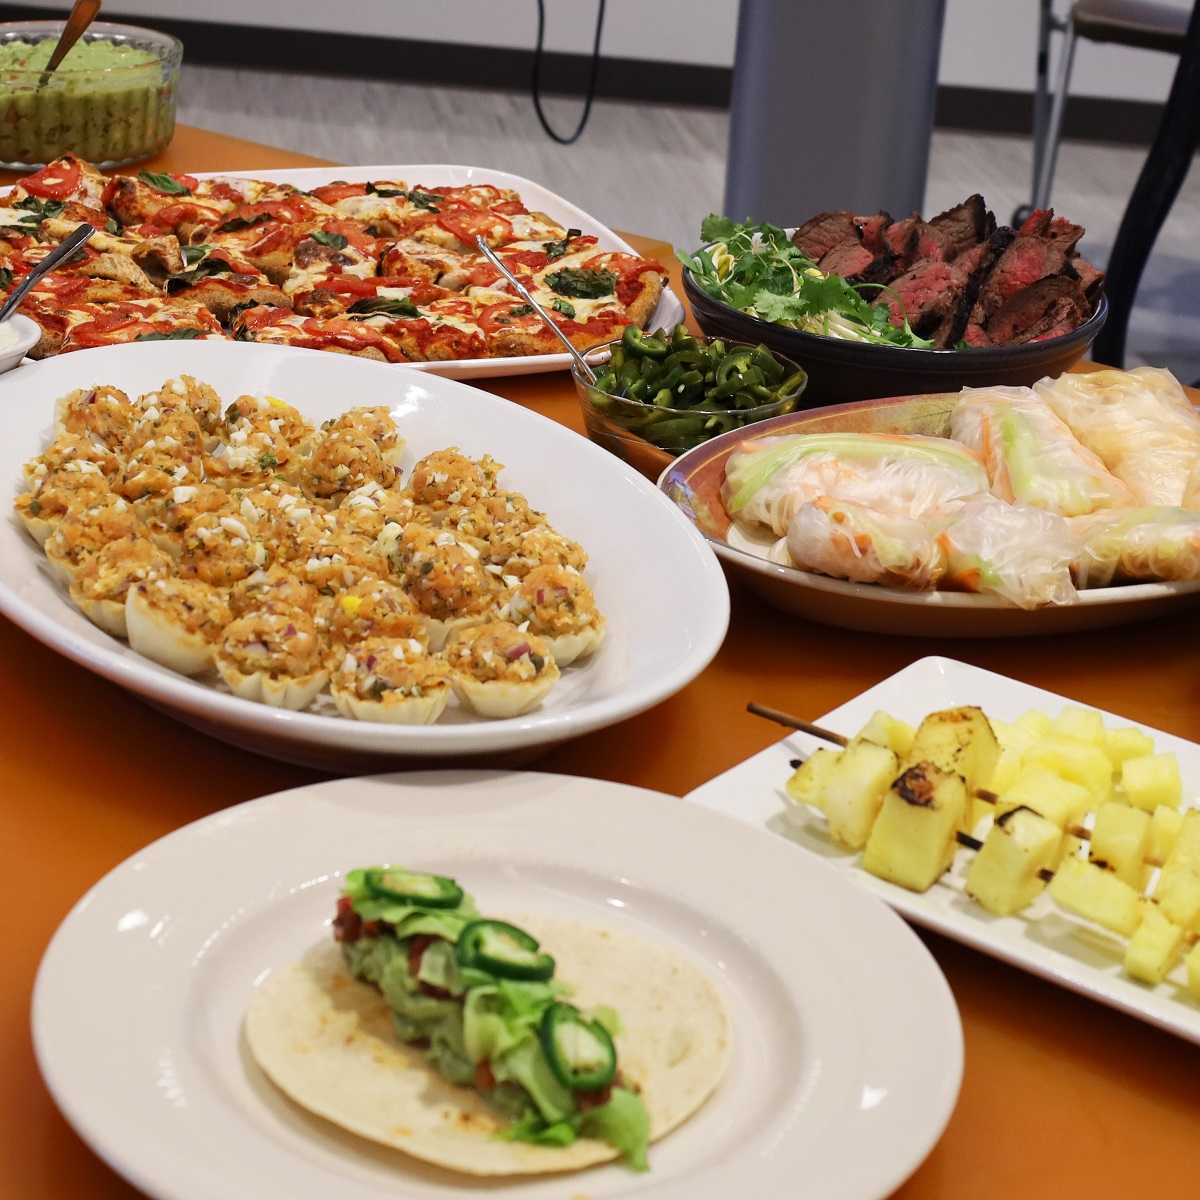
842	372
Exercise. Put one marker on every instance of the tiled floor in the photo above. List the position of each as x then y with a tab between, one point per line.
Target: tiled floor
659	170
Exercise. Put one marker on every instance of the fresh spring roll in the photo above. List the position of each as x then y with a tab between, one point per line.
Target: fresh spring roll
768	479
1022	554
1139	422
1144	543
849	541
1030	454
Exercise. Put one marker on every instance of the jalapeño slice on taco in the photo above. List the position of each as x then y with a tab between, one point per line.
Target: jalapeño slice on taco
488	1046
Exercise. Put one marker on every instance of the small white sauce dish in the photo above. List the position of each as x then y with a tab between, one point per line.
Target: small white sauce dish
18	335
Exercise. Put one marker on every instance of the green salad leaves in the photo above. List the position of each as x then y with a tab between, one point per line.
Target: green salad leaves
756	269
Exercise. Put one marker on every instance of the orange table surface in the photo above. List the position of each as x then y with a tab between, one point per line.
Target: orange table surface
1060	1097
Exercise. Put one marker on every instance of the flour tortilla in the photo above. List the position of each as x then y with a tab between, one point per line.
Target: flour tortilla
326	1040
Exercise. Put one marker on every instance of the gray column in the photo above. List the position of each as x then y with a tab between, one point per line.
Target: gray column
832	107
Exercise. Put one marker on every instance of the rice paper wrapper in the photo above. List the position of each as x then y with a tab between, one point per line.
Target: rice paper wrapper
326	1040
1140	424
1146	543
1024	555
768	480
851	541
1031	455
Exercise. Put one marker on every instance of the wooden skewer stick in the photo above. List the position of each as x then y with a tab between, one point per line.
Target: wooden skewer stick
788	721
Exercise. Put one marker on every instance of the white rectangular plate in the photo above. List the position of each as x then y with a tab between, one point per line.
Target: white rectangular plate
668	313
1044	939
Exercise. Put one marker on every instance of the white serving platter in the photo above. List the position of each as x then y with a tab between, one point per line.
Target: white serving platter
845	1066
654	578
1045	939
668	312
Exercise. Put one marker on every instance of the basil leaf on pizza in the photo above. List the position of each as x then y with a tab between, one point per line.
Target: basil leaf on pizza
335	241
372	190
171	335
558	249
202	270
583	282
193	254
6	278
111	226
425	200
565	307
162	182
38	211
391	306
236	223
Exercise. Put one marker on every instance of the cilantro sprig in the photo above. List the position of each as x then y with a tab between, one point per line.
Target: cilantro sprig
756	269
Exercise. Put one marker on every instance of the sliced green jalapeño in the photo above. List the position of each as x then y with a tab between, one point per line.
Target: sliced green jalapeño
580	1052
504	950
412	887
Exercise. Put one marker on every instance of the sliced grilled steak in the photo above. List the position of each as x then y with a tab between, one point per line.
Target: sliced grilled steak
1064	234
814	239
1037	222
901	239
963	226
872	230
1090	279
856	264
1027	260
1056	303
976	262
925	294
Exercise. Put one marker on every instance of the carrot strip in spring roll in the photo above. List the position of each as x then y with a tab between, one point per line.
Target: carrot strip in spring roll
1031	456
1144	543
1139	422
767	480
1022	554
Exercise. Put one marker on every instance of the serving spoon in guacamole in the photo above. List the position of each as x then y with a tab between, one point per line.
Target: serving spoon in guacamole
83	13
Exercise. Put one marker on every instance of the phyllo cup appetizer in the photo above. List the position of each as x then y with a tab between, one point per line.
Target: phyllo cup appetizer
374	608
375	423
75	485
498	671
395	680
102	583
446	480
345	459
273	657
176	622
86	528
165	451
368	510
447	580
70	451
105	413
190	394
557	605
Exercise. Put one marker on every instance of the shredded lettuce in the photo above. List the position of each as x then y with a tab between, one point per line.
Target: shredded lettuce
623	1122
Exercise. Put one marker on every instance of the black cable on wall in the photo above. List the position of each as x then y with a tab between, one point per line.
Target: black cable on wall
591	88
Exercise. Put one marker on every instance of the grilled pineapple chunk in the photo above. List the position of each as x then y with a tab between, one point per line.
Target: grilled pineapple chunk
959	740
889	731
1154	947
1120	744
808	781
1178	895
1120	841
1034	723
854	791
1060	801
912	842
1081	762
1004	874
1152	780
1098	895
1086	724
1165	824
1185	854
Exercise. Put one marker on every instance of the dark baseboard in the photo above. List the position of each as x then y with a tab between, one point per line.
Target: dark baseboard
454	65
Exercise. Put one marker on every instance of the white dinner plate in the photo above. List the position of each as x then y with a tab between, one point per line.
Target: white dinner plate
667	313
846	1043
1044	939
654	578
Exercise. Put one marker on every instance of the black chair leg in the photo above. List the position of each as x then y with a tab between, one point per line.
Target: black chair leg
1162	176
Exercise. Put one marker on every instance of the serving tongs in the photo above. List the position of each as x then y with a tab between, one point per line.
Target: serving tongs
83	13
64	249
584	368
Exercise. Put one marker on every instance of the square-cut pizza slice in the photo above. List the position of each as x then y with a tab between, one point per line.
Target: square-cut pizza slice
336	249
390	295
589	282
91	325
283	327
67	178
415	259
217	278
513	329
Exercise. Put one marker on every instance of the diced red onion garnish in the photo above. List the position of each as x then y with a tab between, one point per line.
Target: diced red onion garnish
290	631
516	652
541	597
371	661
90	398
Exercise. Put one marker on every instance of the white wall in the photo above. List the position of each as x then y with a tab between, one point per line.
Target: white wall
986	43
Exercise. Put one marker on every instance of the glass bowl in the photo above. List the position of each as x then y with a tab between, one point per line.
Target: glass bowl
109	115
649	436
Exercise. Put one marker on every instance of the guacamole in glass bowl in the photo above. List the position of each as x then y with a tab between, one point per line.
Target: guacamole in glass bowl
111	101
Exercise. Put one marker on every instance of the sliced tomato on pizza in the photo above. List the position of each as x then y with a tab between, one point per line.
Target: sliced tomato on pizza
141	321
283	327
